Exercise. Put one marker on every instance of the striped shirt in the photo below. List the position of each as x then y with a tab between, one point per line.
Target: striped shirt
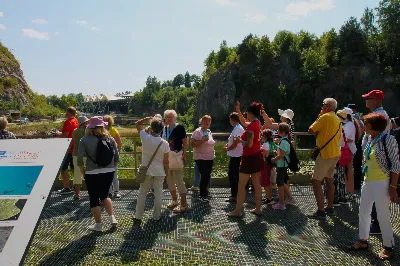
393	154
4	134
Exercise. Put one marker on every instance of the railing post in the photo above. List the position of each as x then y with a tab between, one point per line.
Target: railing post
135	153
190	153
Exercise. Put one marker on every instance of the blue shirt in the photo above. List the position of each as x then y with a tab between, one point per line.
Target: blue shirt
285	146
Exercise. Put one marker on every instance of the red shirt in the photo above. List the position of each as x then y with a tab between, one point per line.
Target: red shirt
255	127
69	126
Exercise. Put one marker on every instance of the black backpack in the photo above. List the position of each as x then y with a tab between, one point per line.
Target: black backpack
294	164
104	152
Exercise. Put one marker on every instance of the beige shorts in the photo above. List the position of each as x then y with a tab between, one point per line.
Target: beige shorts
77	171
175	180
324	168
273	175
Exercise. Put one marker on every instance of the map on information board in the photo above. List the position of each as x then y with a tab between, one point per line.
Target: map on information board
28	169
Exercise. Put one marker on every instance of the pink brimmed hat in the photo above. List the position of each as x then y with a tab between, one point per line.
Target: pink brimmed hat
97	121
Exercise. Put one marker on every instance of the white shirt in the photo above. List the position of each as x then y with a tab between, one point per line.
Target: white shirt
237	132
149	145
350	133
265	147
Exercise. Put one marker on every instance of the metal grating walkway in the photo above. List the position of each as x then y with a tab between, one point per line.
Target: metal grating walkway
203	236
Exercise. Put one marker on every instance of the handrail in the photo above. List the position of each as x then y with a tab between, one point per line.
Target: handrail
189	162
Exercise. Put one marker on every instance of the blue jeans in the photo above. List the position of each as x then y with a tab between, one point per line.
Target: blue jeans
197	177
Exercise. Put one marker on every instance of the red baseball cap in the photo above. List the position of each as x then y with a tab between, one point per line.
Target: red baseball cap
377	94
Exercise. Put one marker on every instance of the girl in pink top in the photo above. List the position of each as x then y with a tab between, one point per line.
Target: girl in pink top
203	144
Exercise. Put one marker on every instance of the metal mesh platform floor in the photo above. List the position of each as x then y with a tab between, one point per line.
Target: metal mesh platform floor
202	236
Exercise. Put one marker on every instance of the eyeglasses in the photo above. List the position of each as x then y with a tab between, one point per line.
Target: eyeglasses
324	104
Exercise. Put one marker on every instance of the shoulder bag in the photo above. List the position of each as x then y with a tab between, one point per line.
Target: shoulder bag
141	174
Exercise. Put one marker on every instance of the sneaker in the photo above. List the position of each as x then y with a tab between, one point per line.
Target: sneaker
273	202
113	220
203	199
374	229
290	201
336	203
117	195
266	201
65	191
329	212
110	195
77	197
344	202
279	206
318	215
96	227
193	188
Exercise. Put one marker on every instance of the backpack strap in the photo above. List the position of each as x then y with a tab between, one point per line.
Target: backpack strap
154	154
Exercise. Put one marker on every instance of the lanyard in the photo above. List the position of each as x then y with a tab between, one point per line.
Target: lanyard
169	131
368	152
369	147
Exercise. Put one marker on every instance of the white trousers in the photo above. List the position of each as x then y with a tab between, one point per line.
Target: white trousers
115	183
157	182
376	192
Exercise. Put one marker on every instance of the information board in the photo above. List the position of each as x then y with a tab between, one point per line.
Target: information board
28	169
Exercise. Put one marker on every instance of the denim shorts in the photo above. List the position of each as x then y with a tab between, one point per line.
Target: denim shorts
68	160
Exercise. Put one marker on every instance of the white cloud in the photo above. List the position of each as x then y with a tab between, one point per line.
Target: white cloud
1	14
56	33
302	9
2	27
81	22
31	33
225	2
95	29
39	21
254	18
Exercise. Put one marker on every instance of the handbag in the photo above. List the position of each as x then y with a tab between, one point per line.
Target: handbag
316	151
346	155
175	160
142	173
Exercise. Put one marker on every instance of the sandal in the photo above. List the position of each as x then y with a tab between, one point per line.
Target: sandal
383	256
173	204
253	211
234	214
181	209
359	248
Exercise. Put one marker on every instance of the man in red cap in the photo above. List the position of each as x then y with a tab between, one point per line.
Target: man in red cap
373	101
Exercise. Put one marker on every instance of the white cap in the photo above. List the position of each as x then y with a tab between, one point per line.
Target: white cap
348	111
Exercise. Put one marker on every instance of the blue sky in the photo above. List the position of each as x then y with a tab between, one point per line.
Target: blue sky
104	46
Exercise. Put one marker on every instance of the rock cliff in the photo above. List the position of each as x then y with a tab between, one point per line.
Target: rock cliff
281	86
13	86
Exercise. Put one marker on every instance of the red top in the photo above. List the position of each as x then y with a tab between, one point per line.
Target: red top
69	126
255	127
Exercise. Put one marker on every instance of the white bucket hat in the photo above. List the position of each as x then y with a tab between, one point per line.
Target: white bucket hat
288	113
348	111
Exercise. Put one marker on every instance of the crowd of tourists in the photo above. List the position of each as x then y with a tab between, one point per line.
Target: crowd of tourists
350	150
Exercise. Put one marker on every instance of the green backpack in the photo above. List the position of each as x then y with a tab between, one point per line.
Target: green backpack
272	147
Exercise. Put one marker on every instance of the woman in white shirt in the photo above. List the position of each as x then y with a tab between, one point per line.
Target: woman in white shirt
351	131
158	168
234	149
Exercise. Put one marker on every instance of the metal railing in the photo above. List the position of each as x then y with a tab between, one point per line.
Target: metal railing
189	163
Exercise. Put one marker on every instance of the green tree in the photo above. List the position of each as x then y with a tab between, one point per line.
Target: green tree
314	65
178	81
330	47
351	40
188	80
